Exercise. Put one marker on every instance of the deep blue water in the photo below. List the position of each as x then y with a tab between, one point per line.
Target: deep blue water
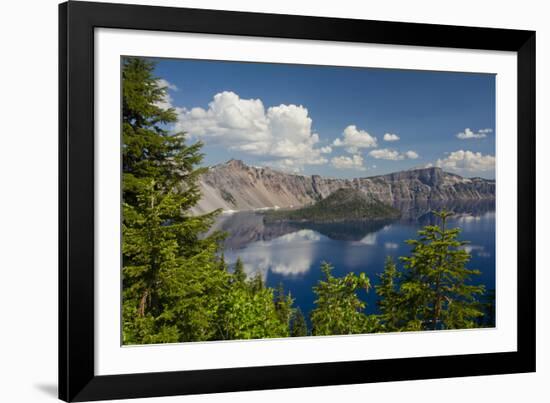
292	254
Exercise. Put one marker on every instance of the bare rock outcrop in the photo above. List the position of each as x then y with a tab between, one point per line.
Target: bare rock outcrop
236	186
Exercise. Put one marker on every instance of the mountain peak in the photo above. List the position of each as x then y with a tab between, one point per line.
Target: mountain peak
431	176
234	185
236	163
426	169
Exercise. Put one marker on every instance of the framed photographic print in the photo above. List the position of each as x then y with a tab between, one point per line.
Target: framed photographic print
258	201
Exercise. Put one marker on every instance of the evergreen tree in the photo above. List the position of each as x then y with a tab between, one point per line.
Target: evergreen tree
283	305
175	287
223	263
390	308
299	325
250	310
256	283
435	292
487	306
339	310
171	280
248	313
239	276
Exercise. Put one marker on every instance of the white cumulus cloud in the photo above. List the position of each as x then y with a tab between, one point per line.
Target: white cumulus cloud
353	162
462	160
282	134
470	134
391	137
393	155
161	82
412	155
386	154
355	139
167	101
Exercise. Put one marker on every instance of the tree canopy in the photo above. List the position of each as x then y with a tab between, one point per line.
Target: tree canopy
338	308
175	286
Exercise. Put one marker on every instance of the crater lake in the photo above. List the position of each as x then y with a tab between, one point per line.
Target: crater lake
291	253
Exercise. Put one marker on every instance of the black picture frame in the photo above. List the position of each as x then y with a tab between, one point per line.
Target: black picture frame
77	21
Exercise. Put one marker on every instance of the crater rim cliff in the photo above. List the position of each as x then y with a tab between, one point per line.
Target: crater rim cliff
236	186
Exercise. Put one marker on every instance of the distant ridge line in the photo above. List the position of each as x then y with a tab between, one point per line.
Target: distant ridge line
267	167
236	186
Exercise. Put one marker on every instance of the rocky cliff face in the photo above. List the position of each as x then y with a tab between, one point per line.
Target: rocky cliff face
237	186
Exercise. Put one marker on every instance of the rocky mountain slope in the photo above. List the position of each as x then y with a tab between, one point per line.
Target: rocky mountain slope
237	186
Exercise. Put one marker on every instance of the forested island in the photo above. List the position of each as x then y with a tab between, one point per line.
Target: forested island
342	205
177	286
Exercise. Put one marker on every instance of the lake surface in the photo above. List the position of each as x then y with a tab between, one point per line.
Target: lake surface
292	253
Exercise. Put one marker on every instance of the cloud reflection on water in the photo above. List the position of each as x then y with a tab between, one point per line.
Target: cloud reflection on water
369	239
478	250
288	255
290	250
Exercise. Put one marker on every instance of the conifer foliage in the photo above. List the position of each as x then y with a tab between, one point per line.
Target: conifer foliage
434	290
298	324
175	287
339	309
168	271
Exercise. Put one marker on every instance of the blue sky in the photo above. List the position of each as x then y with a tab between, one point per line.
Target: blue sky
334	121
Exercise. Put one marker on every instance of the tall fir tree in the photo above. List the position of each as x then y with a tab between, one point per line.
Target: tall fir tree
239	275
170	277
391	311
283	305
298	324
175	287
435	291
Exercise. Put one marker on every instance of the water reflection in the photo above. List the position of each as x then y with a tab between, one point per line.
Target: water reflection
247	227
357	231
422	212
288	255
476	250
369	239
292	253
